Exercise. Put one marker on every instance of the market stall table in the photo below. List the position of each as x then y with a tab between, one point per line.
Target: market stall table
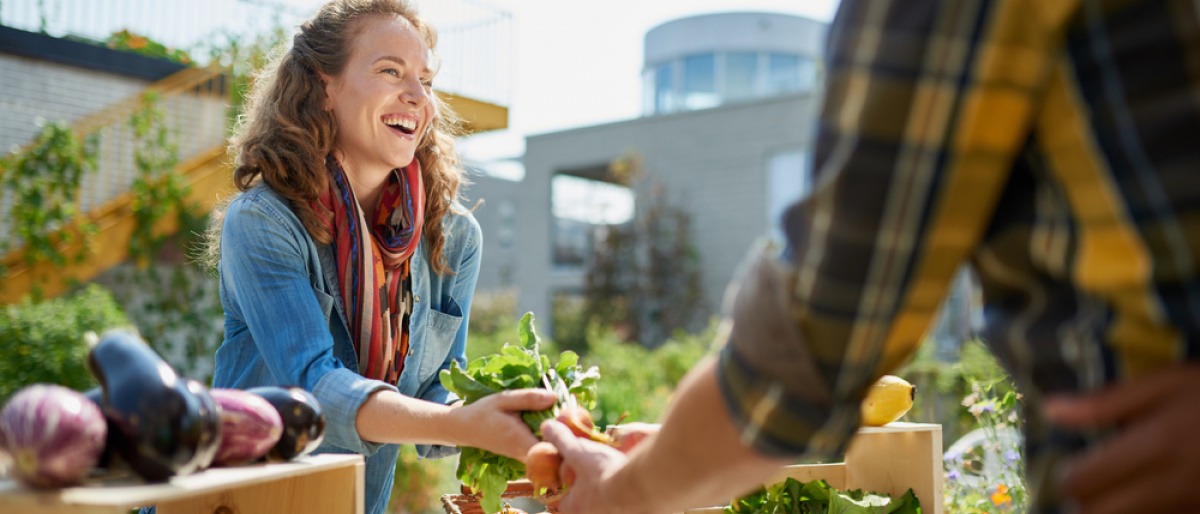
315	484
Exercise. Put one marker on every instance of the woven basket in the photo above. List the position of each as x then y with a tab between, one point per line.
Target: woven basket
468	503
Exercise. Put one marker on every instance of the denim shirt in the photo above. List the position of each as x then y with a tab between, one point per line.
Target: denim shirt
285	323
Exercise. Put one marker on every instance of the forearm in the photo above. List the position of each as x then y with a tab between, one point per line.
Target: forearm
390	417
696	460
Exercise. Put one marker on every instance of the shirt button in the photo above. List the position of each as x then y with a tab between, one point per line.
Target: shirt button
416	298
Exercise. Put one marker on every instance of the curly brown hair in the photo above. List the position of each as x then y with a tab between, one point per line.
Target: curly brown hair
285	133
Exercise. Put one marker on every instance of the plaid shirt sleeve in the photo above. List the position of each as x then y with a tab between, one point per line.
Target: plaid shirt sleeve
926	104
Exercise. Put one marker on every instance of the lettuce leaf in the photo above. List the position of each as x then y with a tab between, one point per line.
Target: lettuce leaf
817	497
514	367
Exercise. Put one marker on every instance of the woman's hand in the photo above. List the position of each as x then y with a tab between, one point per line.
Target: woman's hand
494	422
1151	462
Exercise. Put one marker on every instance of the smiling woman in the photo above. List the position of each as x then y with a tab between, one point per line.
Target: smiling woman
347	266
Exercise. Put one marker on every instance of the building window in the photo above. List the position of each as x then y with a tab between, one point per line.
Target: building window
664	88
741	75
783	73
581	207
506	234
700	82
788	179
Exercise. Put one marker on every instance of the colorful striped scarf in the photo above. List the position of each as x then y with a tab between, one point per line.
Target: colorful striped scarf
373	265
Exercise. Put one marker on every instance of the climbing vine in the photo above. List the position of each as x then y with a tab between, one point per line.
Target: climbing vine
41	185
156	189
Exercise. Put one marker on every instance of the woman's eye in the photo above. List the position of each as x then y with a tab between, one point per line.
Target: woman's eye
427	82
392	71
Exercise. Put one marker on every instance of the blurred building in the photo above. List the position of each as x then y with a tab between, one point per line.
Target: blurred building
727	103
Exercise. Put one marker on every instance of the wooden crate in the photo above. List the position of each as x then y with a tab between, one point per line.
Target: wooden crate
888	459
316	484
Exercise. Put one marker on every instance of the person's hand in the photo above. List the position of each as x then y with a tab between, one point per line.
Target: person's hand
628	436
1151	462
592	464
494	422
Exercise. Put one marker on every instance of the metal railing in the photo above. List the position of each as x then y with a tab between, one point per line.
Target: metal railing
475	40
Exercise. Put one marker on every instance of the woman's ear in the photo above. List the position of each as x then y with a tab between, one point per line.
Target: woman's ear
326	84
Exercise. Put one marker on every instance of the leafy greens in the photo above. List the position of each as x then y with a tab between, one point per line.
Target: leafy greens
515	367
792	496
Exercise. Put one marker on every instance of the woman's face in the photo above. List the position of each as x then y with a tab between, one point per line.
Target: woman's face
381	101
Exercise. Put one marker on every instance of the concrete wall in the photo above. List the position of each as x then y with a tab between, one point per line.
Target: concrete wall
52	92
712	163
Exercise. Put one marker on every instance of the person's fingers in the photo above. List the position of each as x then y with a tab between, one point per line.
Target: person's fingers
1119	402
556	433
524	399
1143	493
1121	458
628	437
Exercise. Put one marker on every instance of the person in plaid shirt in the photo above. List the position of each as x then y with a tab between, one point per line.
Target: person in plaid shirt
1052	145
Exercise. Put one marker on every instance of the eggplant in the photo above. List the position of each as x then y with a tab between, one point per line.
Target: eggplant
106	459
165	425
303	422
250	426
54	435
210	421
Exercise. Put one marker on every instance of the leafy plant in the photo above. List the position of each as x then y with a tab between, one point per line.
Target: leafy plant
515	367
644	277
43	181
639	381
44	342
157	189
792	496
984	470
143	45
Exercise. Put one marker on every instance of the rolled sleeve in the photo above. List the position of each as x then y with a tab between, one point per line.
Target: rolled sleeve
773	386
341	393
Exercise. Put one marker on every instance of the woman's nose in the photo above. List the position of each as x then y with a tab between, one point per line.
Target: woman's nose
414	93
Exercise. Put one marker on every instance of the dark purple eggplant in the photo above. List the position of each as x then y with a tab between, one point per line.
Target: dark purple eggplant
106	459
303	422
165	425
209	424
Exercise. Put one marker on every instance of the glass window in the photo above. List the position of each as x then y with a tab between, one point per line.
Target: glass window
700	81
808	74
741	72
788	179
648	92
664	88
783	73
580	207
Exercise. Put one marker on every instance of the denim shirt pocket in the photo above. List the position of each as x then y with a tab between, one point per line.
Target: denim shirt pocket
440	329
325	301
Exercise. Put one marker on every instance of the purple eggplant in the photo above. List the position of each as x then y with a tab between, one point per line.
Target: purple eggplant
164	424
250	426
303	422
54	435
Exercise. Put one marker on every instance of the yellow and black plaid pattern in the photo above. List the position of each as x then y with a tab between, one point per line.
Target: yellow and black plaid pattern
1052	144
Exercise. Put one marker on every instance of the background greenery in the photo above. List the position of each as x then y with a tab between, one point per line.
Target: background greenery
43	342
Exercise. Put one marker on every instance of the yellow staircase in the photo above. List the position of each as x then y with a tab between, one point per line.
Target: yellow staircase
205	172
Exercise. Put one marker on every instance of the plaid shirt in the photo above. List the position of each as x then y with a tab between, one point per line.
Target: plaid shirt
1052	144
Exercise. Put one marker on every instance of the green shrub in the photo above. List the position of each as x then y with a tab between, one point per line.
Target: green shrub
44	342
636	382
